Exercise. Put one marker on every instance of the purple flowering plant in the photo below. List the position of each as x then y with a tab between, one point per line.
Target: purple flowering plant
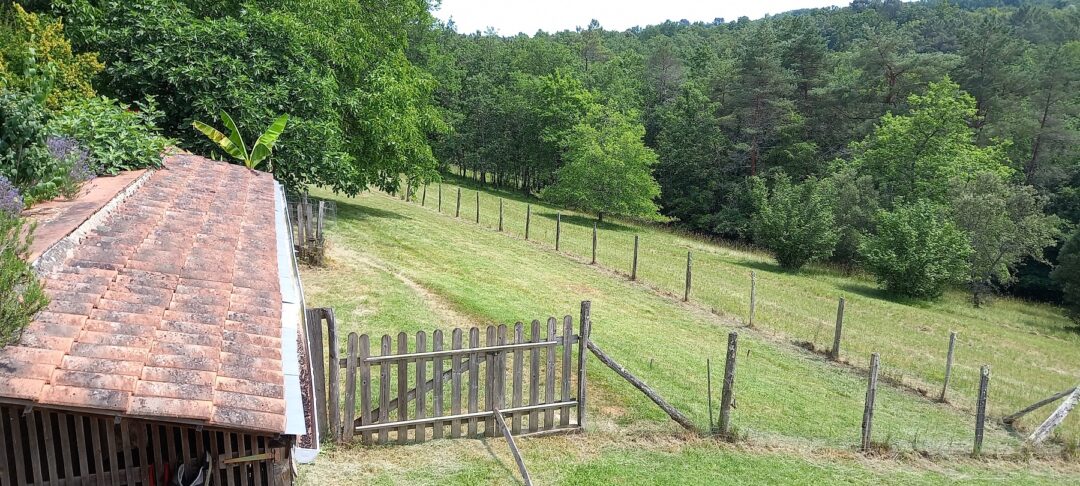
75	158
11	202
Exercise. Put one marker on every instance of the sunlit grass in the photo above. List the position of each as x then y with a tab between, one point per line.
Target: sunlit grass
401	267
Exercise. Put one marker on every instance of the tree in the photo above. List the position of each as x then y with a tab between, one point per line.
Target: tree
1004	223
917	156
795	222
916	251
607	168
1067	274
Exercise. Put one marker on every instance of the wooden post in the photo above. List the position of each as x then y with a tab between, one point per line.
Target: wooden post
457	212
689	270
948	365
708	388
423	197
408	191
477	207
528	219
558	229
500	214
834	354
868	410
583	344
440	197
727	398
1043	431
334	404
350	388
1037	405
633	269
594	243
753	296
980	409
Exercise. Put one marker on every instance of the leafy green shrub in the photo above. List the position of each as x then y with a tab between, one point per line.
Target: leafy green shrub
21	295
117	136
24	159
916	250
795	222
1067	274
31	42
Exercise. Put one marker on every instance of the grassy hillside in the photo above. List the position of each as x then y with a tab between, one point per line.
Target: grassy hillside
1032	349
397	266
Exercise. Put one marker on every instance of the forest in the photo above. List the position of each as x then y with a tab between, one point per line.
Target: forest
930	143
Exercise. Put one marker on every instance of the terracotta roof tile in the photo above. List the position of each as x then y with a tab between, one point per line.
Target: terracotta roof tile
170	308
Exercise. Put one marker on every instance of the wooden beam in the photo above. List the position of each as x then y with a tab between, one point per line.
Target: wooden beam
672	412
1055	418
513	449
1008	420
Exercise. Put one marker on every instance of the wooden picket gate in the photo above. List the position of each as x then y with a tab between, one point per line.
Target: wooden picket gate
398	393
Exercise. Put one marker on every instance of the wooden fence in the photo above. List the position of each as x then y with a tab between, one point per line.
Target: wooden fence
44	446
309	218
448	385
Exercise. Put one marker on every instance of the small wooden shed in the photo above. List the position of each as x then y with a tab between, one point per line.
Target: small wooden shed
171	339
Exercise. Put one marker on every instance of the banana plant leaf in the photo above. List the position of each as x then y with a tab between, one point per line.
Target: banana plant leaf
265	145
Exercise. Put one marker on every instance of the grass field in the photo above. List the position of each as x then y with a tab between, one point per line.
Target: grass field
1033	349
399	267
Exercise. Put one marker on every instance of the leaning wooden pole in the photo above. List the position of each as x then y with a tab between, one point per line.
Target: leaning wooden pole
423	197
513	447
1008	420
727	399
1043	431
948	366
672	412
834	353
868	409
980	409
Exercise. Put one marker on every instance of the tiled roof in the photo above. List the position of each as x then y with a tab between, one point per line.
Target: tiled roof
170	309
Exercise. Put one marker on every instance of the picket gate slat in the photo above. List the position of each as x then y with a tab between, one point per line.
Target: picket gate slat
437	389
402	388
455	386
489	381
384	390
534	375
365	385
474	377
568	353
420	432
549	376
519	357
350	387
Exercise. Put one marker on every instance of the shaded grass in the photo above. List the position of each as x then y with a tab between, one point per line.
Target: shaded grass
416	270
1033	349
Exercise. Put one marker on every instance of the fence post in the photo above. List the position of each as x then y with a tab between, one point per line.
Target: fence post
457	212
834	354
477	207
633	270
594	243
727	399
500	214
408	191
558	229
708	388
980	409
423	197
753	296
528	219
334	366
440	198
868	410
586	329
948	366
689	270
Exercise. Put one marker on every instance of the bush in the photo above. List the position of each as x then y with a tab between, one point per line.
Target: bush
795	222
1067	275
116	136
24	159
916	250
21	295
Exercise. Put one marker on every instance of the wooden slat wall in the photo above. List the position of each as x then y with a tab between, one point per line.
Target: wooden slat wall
405	403
44	446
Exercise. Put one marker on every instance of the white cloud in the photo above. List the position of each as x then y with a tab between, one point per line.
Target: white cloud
510	17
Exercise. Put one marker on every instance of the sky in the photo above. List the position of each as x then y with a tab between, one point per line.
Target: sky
510	17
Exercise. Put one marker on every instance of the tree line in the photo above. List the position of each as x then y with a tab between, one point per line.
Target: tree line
931	143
